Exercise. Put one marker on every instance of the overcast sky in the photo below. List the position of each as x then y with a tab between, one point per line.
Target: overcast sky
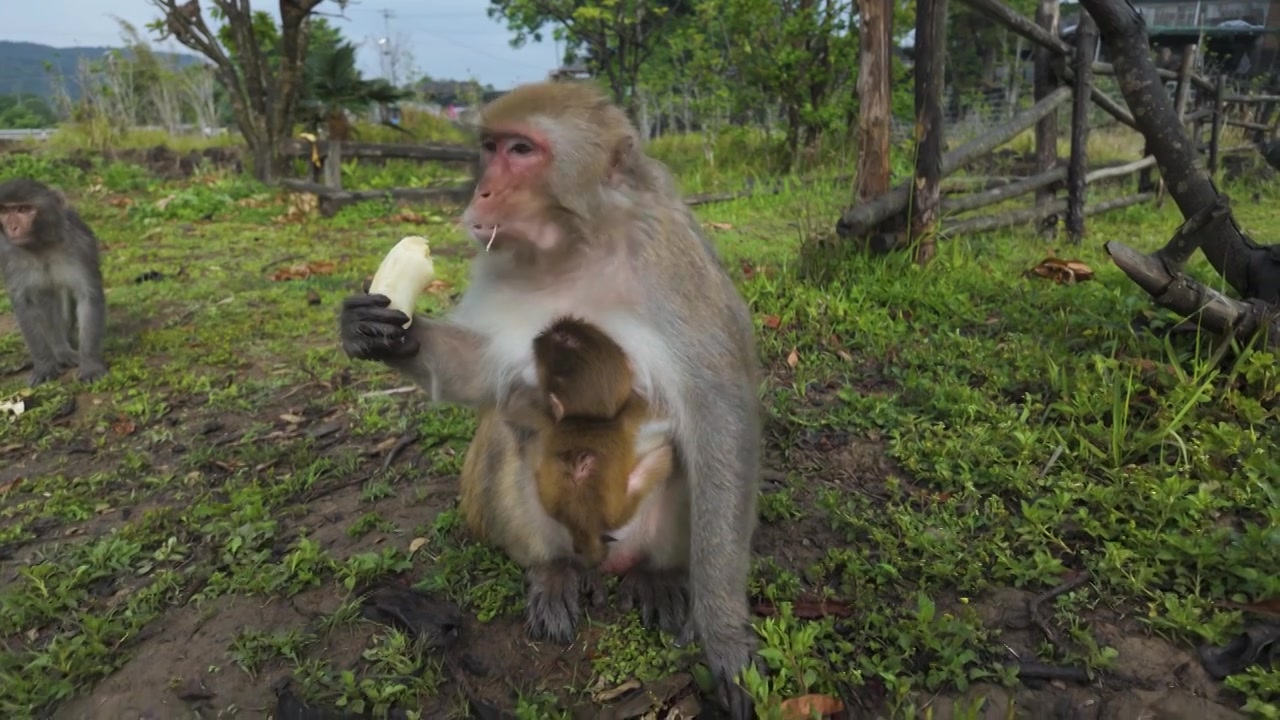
451	39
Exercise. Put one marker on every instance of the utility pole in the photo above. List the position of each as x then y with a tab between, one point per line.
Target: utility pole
387	49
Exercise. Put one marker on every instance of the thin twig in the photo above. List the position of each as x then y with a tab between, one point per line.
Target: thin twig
396	449
1033	607
1057	453
392	391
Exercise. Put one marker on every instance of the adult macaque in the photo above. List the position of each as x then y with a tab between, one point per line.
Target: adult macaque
49	261
590	476
573	218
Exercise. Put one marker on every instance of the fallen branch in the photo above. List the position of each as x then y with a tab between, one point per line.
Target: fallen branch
1188	297
1188	237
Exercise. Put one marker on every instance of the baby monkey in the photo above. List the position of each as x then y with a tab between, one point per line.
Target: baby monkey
588	478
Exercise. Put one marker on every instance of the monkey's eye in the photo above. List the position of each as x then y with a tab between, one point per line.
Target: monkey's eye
521	147
489	146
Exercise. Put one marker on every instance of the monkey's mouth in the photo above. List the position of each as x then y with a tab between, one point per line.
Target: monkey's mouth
484	234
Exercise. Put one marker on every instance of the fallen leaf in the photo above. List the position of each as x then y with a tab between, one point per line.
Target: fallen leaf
1062	271
773	322
302	271
416	544
793	359
844	355
719	226
438	286
408	216
747	270
291	418
124	426
6	487
804	706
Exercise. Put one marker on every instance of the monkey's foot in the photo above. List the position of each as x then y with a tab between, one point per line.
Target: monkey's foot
91	371
593	587
552	602
727	655
67	358
661	596
41	374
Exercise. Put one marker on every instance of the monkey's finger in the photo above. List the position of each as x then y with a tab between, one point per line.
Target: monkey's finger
353	302
379	316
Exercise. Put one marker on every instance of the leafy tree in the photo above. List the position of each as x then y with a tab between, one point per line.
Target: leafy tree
25	111
335	85
259	64
613	38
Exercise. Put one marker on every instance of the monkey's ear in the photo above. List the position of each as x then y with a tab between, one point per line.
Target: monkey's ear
621	160
557	407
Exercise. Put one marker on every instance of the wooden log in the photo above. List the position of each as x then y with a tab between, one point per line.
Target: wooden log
1247	125
1250	99
442	153
1039	213
1111	107
1115	171
931	49
1086	45
1200	81
1009	191
874	74
331	201
1045	82
1022	186
1215	136
1012	19
1188	297
861	219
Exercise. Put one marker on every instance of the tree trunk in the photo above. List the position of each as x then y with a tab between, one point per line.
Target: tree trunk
1252	270
931	49
262	102
873	99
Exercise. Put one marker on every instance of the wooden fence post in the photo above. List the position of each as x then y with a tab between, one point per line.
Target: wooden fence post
931	48
1086	41
1047	128
1219	111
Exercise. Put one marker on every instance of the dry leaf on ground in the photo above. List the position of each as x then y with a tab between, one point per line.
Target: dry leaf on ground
302	271
793	359
772	322
803	707
1062	271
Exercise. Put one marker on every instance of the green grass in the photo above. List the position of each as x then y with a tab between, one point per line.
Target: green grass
943	436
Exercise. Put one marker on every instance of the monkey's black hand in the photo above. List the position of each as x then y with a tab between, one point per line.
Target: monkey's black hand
373	331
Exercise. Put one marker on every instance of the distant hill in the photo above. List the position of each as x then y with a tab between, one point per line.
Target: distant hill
22	65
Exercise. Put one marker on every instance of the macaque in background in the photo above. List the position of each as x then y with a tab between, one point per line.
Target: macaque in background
49	262
588	450
573	218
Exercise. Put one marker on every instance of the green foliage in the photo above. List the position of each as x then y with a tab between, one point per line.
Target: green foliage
333	86
26	110
945	436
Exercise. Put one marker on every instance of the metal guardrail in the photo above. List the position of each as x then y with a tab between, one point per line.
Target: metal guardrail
37	134
46	133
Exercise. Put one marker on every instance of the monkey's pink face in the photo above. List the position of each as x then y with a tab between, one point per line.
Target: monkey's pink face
512	204
17	222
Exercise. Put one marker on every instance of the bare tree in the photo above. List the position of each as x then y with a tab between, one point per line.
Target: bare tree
263	99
